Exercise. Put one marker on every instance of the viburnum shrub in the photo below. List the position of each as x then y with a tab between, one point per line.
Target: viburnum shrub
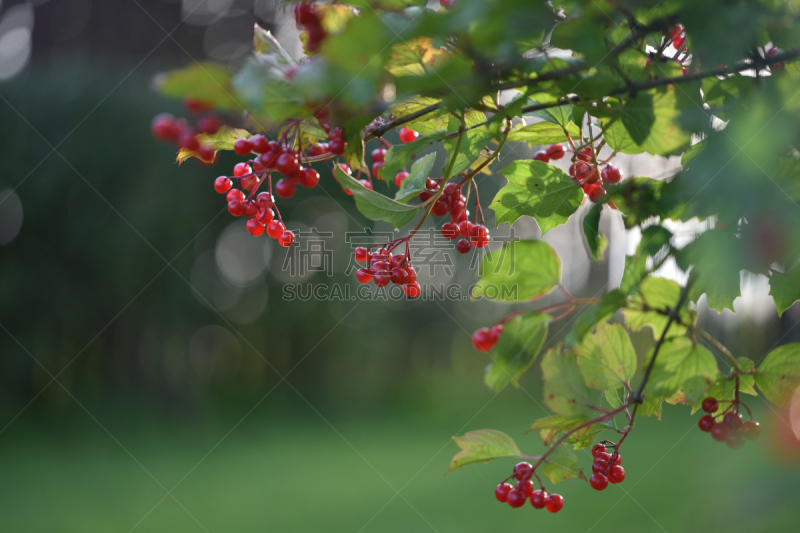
712	82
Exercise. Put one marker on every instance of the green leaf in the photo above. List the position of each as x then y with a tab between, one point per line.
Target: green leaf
414	184
561	115
724	387
565	392
609	304
426	124
683	372
656	293
516	349
716	265
539	190
543	133
482	446
606	357
224	139
552	426
530	267
785	288
595	241
561	464
270	52
374	205
654	240
473	141
583	438
414	57
204	81
400	155
779	374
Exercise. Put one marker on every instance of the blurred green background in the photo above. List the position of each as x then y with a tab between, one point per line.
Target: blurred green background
165	328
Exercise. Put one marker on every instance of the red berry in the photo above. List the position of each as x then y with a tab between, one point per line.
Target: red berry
366	183
602	456
439	208
464	228
193	105
598	481
382	277
525	487
719	431
248	183
479	236
586	154
364	275
516	498
287	163
309	178
269	160
255	227
305	14
399	276
599	467
734	439
242	147
734	420
616	474
555	503
275	229
617	458
264	200
209	125
678	41
496	331
597	449
463	246
710	405
265	216
611	174
337	146
751	430
284	188
542	156
675	31
241	169
361	253
235	194
164	127
188	141
286	238
521	470
250	208
376	169
407	135
222	184
260	144
538	499
501	492
206	154
399	177
412	289
555	151
705	423
450	231
236	208
378	155
483	341
431	184
594	191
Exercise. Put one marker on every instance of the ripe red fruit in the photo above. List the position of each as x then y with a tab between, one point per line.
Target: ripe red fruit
242	147
378	155
222	184
235	194
705	423
309	178
260	144
501	492
407	135
382	277
555	151
734	439
611	174
264	200
364	275
286	238
734	421
450	231
719	431
539	499
496	331
602	456
555	503
710	405
284	188
598	481
585	154
250	208
525	487
516	498
617	458
599	467
248	183
594	191
193	105
399	177
751	430
412	289
463	246
439	208
464	228
479	236
675	31
366	183
337	146
542	156
616	474
275	229
399	276
164	128
241	169
236	208
305	14
376	169
188	141
287	163
678	41
209	125
265	216
597	449
361	253
255	227
521	470
483	341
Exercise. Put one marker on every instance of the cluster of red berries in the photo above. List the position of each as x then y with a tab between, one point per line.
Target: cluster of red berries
516	495
606	467
167	128
454	203
484	339
306	16
730	429
583	170
385	267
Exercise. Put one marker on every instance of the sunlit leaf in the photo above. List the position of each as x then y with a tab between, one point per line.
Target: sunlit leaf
482	446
